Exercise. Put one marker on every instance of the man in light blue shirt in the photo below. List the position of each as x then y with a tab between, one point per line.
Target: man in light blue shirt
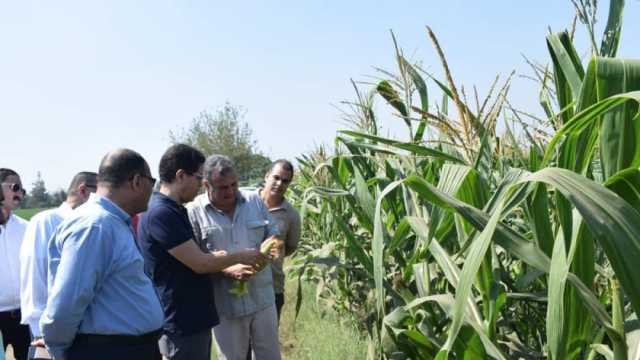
33	251
101	304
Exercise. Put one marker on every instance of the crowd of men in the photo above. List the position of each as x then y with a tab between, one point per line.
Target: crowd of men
119	271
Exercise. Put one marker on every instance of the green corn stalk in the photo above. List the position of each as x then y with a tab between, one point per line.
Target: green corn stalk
460	241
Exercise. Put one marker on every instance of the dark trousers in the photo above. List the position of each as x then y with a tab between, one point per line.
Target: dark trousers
15	334
101	348
279	305
190	347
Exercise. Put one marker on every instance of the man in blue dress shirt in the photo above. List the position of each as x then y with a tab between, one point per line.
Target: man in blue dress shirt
101	304
178	267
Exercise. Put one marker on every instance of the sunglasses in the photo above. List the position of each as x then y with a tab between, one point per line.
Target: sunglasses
16	188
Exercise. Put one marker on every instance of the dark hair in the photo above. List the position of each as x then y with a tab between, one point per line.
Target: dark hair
218	163
5	173
286	164
119	166
3	220
84	177
179	156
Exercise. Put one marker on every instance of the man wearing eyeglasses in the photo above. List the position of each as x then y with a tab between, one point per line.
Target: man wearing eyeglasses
101	305
178	267
33	253
10	240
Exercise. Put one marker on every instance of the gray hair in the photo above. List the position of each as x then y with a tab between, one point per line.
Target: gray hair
217	164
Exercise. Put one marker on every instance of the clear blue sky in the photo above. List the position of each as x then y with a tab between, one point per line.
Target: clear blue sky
80	78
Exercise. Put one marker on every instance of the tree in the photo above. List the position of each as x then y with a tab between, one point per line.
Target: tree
225	132
38	197
58	197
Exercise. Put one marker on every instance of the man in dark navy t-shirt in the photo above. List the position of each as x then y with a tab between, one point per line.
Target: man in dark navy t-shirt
177	266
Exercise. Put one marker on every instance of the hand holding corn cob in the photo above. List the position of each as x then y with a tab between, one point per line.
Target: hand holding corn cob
270	247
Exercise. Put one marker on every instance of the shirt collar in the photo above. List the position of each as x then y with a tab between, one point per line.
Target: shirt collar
65	209
284	205
110	207
204	200
10	220
162	198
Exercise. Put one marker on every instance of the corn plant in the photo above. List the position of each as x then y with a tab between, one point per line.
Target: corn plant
469	242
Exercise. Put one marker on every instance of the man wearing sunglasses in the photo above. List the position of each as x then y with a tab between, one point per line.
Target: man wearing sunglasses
10	240
3	212
33	253
101	305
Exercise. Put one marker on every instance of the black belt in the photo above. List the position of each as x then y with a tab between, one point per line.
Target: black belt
98	339
11	314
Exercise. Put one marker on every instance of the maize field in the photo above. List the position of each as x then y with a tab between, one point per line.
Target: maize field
488	232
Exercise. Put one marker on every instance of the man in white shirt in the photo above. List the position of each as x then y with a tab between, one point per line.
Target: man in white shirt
10	240
33	253
3	212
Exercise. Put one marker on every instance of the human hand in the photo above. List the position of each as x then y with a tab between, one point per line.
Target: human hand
219	253
239	271
38	342
277	248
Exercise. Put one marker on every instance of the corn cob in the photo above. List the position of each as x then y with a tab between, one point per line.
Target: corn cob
241	287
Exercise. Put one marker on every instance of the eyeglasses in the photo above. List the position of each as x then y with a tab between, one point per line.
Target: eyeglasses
16	188
151	179
197	176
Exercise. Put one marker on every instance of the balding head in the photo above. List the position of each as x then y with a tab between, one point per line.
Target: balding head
119	166
125	179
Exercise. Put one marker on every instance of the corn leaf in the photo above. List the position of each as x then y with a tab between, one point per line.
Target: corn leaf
620	130
613	29
415	149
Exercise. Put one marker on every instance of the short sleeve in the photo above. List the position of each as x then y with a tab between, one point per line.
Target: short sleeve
293	235
195	225
168	227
